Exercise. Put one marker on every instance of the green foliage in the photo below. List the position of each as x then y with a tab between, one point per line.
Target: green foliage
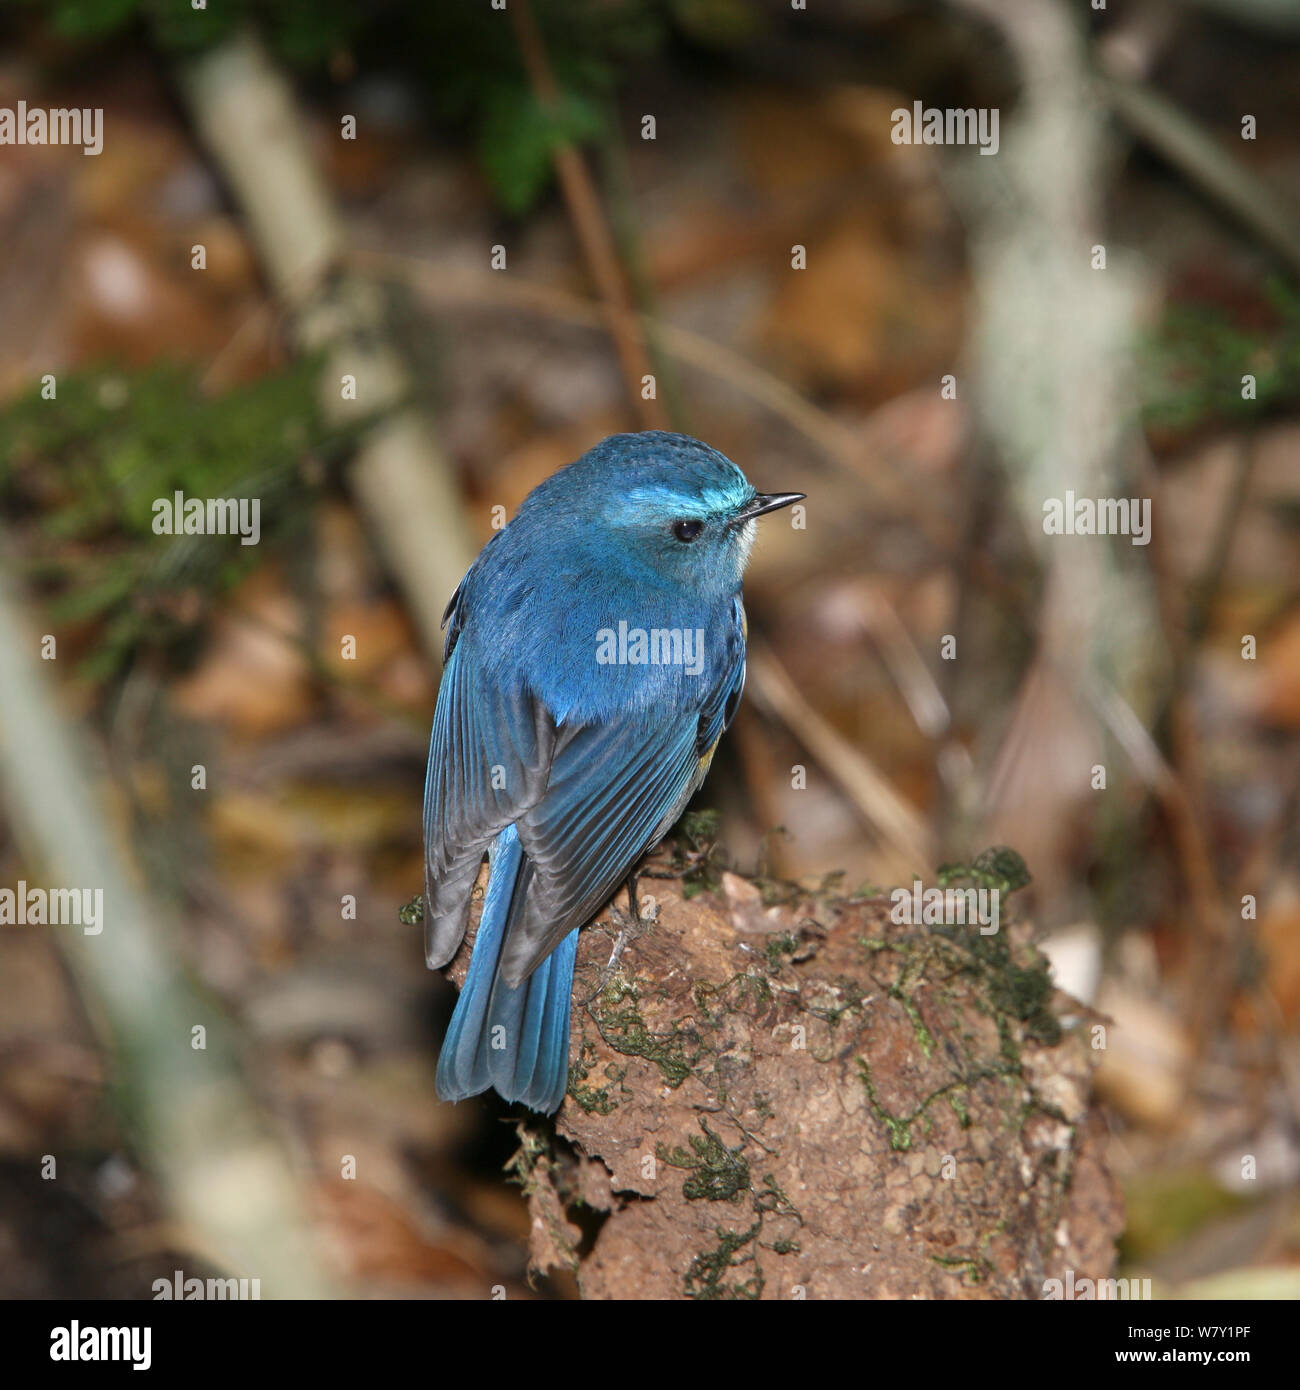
1193	364
998	868
469	62
88	19
464	57
719	23
85	470
303	33
517	138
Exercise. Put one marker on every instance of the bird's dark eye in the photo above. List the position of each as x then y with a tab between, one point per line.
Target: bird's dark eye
687	530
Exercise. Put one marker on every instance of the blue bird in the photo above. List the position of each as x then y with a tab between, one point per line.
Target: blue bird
595	652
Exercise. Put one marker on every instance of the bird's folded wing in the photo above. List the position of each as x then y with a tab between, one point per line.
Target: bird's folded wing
721	708
614	788
489	757
587	800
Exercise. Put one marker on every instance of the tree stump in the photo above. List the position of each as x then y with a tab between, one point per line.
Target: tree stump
787	1094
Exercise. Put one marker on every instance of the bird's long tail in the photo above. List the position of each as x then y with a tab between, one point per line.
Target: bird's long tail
514	1039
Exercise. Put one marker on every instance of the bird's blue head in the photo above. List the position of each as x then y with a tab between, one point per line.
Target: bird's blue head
663	504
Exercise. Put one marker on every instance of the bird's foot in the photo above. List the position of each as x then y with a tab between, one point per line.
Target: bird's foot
631	924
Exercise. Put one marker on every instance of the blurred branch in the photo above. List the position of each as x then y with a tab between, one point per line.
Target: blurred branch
1212	976
1206	589
1177	138
616	179
1127	54
1102	624
880	806
222	1174
1182	799
244	110
924	699
589	220
836	440
1053	349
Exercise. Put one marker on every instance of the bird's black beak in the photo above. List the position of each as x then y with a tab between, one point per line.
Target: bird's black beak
764	502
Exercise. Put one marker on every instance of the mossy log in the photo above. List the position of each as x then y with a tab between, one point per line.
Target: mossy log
786	1094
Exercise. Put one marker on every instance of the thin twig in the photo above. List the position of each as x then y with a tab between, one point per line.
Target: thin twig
880	806
1176	137
592	228
1185	805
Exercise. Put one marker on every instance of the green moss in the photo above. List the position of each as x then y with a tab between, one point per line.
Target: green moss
742	993
694	857
618	1017
899	1128
999	869
923	1035
969	1268
717	1173
534	1149
778	946
771	1199
704	1280
854	997
1020	992
697	860
976	1268
595	1100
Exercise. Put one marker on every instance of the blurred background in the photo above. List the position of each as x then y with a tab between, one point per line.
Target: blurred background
515	232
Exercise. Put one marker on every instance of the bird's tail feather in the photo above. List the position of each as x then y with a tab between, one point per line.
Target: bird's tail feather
514	1039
